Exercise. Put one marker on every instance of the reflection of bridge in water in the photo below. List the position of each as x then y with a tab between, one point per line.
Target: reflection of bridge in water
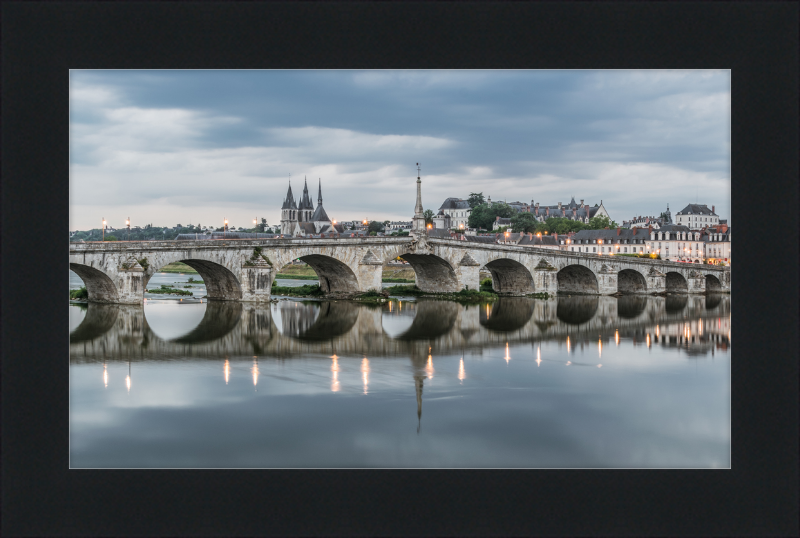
238	331
291	328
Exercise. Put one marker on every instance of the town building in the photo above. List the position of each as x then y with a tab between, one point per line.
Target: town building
697	216
653	222
677	243
302	219
457	210
607	242
717	244
573	211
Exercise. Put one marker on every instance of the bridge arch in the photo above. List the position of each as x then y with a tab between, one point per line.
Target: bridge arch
510	276
221	283
99	285
713	284
334	275
631	281
577	279
676	283
432	272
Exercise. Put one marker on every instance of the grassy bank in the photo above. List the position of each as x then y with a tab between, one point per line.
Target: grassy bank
309	290
166	290
177	267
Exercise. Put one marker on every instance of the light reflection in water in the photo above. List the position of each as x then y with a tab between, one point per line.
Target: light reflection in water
648	339
461	373
128	378
600	348
507	357
255	373
569	346
539	353
105	375
429	367
227	371
335	371
365	373
616	337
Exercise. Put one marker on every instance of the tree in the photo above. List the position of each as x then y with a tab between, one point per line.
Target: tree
111	238
483	217
386	223
428	214
353	227
598	223
476	199
523	222
375	226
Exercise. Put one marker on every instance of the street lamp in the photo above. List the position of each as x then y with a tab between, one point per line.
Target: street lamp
128	224
104	228
224	227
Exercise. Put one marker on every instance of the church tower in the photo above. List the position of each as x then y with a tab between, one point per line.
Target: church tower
289	213
305	208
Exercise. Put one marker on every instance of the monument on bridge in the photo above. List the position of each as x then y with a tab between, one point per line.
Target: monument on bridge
418	222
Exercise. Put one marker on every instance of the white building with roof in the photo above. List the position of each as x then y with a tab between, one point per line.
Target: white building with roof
697	216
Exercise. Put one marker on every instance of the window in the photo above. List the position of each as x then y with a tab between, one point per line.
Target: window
625	249
594	249
572	249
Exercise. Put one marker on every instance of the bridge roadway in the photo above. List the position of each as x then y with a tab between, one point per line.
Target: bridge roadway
242	330
233	270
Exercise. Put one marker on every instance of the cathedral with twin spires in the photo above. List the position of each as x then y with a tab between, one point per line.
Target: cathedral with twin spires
302	219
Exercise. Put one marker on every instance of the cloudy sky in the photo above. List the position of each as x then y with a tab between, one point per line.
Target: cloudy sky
168	147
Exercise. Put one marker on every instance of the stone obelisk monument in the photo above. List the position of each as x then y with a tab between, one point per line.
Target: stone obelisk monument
418	226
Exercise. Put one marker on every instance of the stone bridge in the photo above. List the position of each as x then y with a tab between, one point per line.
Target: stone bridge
244	270
291	328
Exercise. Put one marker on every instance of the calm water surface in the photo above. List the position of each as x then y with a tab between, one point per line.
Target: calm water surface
566	382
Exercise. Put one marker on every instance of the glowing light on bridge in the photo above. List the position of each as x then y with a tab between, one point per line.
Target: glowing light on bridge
335	374
461	373
227	370
365	373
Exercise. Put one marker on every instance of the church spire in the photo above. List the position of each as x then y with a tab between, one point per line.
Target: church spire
319	194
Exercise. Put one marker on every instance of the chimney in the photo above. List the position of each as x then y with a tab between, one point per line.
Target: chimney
634	230
712	209
547	211
555	234
618	229
649	229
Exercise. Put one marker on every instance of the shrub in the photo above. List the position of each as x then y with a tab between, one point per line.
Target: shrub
309	289
79	294
486	282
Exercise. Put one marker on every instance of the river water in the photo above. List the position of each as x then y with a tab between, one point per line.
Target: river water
569	382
